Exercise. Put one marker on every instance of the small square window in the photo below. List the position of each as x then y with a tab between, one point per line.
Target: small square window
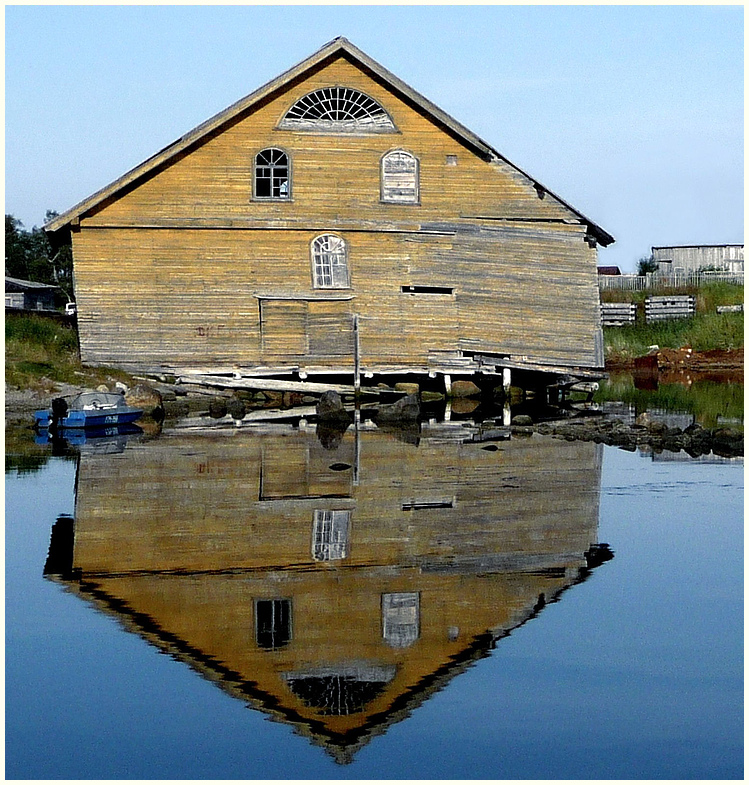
451	160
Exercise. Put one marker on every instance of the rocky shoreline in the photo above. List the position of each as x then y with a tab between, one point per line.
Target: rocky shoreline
693	440
646	430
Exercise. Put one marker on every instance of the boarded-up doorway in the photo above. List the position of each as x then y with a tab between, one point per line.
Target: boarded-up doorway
315	329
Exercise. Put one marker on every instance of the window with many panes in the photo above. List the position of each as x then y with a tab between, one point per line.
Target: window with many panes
399	178
330	534
337	110
272	175
329	262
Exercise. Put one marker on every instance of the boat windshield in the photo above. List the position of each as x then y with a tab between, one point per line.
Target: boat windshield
96	400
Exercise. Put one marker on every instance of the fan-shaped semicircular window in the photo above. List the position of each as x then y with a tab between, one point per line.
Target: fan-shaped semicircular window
337	110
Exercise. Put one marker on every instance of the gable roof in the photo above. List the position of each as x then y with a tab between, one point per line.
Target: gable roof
338	47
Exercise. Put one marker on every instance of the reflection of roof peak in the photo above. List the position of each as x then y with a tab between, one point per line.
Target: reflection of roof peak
342	747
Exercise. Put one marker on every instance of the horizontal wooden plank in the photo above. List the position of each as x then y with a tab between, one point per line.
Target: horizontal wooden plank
281	385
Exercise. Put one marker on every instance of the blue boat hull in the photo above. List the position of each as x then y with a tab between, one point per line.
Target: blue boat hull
89	419
79	436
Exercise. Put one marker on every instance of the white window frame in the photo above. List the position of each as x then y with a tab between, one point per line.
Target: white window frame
394	181
339	110
329	257
330	534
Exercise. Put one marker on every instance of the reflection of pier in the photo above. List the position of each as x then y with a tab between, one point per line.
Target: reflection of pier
334	599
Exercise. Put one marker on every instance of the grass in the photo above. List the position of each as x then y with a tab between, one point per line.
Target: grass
40	351
702	332
707	297
706	330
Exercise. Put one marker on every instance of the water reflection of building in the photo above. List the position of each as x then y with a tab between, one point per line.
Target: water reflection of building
333	589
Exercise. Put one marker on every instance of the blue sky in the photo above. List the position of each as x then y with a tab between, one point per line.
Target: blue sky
633	114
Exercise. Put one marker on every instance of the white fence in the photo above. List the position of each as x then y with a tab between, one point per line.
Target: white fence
654	280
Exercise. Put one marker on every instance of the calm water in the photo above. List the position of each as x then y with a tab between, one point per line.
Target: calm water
256	605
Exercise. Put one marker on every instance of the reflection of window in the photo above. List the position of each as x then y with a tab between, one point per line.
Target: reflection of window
337	110
400	178
329	262
272	179
330	534
272	623
340	690
400	619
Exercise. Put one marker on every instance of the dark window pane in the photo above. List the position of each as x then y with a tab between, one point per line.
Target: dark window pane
272	623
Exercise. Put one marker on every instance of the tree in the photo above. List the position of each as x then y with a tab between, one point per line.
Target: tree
647	264
15	251
62	261
29	255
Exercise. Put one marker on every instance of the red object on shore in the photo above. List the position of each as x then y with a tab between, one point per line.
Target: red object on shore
648	362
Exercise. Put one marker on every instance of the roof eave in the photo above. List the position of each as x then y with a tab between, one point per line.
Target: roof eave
191	137
332	49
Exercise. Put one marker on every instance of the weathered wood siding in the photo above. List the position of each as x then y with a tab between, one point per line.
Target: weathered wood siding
169	273
199	503
191	531
692	258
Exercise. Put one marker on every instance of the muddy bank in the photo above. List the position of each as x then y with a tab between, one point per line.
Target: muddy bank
715	362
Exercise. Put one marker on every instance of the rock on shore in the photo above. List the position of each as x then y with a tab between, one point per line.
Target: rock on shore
694	440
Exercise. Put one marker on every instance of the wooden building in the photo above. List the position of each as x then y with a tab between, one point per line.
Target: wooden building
334	209
335	589
23	295
685	259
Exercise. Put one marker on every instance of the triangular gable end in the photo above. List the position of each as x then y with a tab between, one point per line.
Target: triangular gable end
339	47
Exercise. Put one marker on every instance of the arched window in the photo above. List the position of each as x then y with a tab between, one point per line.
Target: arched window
329	262
272	175
337	110
399	177
330	534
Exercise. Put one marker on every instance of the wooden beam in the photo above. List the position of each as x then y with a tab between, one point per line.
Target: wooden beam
280	385
507	362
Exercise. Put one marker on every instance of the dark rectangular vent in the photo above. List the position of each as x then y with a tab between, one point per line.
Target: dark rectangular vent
437	504
427	289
